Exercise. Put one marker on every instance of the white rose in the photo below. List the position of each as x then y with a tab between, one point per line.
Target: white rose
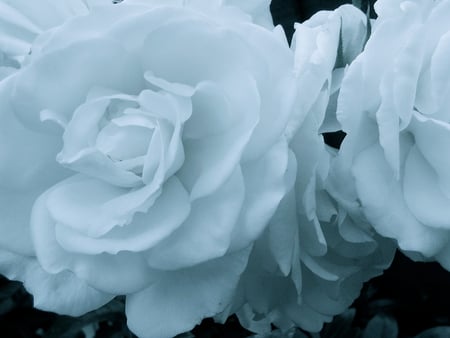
143	155
394	107
312	260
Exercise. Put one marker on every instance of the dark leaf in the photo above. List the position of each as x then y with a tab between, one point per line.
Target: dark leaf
435	332
381	327
341	326
70	327
8	289
292	333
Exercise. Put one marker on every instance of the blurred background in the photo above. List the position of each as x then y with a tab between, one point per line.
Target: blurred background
409	300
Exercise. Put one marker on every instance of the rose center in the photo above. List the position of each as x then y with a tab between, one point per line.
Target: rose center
123	142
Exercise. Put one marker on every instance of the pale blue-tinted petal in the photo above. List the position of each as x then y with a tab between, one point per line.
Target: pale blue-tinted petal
422	191
384	206
62	292
94	207
267	181
206	233
120	73
27	168
181	299
171	208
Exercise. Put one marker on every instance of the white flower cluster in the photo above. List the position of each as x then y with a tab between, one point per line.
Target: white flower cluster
171	151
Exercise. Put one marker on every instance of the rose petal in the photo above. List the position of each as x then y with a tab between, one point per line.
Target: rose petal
145	230
385	43
171	87
121	73
432	137
283	233
206	233
267	180
165	153
305	317
318	295
258	9
27	158
443	257
211	159
166	105
199	42
63	292
439	77
123	142
96	164
148	15
384	205
321	267
211	112
81	151
27	167
265	288
277	87
423	194
408	66
246	318
352	232
269	130
181	299
388	123
17	31
94	207
122	273
351	103
21	21
86	120
397	89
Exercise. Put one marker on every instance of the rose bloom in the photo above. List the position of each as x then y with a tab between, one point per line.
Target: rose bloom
21	21
142	153
312	260
394	107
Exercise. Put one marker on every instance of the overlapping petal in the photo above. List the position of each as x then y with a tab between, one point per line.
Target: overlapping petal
393	105
162	128
319	249
21	22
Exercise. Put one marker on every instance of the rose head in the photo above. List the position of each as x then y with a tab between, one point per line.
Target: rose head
148	157
393	105
318	250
